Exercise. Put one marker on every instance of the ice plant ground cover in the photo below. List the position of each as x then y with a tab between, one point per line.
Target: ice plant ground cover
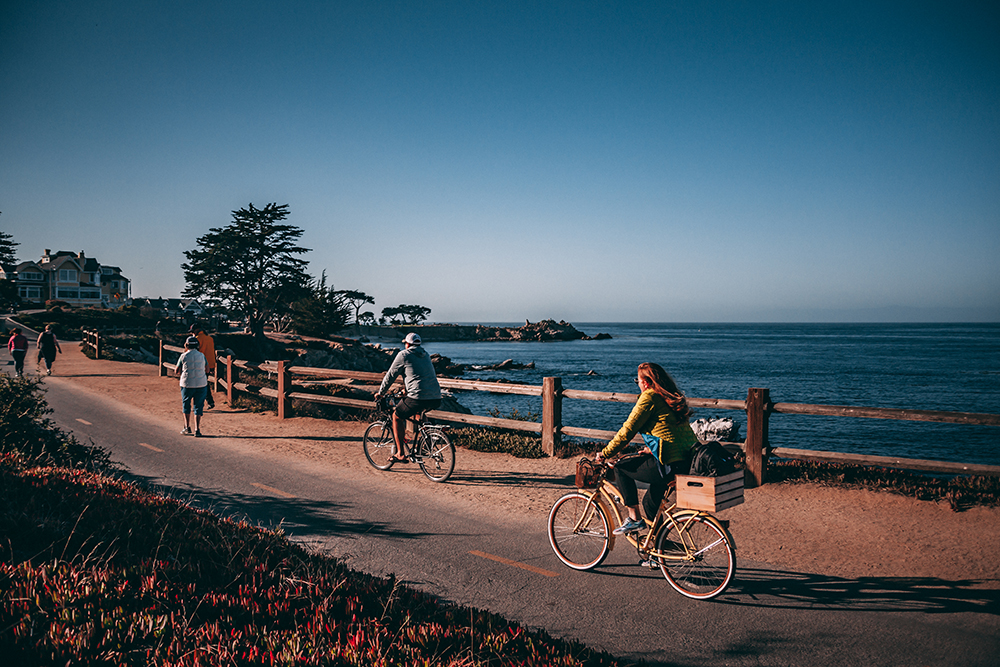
95	570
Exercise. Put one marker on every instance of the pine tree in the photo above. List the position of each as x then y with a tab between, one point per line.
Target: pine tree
250	267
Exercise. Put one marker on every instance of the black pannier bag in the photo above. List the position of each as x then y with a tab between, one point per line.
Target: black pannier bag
711	459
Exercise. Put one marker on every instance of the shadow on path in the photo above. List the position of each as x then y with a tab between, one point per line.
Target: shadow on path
292	438
784	589
797	590
268	511
474	478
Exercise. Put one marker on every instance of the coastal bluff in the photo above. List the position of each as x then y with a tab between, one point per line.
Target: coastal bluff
545	330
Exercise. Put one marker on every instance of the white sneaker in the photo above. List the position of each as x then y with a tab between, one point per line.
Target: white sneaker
630	526
186	431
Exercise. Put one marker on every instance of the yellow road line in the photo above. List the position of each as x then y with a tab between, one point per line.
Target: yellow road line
84	421
514	563
271	489
155	449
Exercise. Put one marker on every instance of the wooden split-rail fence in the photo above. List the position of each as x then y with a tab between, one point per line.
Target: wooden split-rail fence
757	406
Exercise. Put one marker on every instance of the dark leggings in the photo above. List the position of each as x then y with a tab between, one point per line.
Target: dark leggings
645	468
19	360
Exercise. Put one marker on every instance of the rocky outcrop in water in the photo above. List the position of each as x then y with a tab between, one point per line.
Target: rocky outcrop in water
344	354
546	330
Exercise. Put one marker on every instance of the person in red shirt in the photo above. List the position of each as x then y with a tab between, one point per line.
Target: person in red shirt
18	348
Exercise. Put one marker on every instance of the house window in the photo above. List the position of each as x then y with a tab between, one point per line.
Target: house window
26	292
67	294
106	271
114	284
30	275
90	294
67	276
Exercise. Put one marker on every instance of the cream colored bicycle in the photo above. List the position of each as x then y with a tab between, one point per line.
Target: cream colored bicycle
693	549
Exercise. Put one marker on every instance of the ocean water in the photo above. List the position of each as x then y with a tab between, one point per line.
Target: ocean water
953	367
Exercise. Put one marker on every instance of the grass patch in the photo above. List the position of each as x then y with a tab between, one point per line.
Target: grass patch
503	441
961	492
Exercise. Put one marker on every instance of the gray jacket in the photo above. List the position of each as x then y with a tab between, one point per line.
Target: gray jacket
418	374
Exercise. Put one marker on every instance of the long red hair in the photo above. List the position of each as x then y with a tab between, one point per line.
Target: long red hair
664	385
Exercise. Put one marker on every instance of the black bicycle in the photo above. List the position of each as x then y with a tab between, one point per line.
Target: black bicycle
431	449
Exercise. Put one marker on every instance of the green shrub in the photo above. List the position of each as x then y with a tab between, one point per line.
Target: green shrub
28	436
68	322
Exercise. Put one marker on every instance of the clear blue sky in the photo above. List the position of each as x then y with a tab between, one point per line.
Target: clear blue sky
587	161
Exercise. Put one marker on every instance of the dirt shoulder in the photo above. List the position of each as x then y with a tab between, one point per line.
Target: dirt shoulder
835	532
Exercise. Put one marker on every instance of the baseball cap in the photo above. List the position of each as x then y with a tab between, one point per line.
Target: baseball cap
192	341
412	339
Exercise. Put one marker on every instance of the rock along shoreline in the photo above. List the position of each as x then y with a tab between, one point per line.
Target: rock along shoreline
543	331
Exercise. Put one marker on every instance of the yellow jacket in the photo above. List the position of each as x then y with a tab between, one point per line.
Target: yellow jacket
667	435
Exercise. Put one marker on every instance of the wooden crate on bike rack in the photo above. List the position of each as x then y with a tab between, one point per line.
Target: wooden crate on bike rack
710	494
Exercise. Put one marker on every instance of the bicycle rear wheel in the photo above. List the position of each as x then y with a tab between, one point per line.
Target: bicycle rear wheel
436	455
379	445
579	531
708	563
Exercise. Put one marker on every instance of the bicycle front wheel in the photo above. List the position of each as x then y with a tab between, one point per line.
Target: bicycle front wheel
699	562
436	455
579	531
379	445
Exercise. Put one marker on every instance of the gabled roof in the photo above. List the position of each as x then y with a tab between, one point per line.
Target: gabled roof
61	260
25	266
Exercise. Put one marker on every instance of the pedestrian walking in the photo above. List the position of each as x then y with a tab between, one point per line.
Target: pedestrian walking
48	345
194	384
17	345
207	347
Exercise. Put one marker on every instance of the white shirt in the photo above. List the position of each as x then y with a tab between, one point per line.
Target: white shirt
191	366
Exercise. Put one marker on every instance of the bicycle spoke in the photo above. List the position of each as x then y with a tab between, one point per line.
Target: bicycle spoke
578	532
379	445
436	455
697	559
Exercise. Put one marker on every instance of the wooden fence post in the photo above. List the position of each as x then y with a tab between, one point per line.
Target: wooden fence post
229	379
163	371
97	344
215	378
758	413
284	384
551	415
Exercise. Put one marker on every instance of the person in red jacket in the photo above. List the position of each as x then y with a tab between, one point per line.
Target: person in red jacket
206	345
17	345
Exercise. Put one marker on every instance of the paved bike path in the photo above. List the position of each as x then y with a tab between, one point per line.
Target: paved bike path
448	546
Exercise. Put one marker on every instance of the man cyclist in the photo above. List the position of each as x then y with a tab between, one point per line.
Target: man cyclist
421	388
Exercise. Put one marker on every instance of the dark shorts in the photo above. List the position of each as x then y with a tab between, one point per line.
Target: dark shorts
195	395
412	406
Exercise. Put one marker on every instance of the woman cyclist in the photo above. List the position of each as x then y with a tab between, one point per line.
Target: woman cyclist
662	416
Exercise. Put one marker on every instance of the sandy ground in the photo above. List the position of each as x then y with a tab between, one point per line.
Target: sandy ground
845	533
